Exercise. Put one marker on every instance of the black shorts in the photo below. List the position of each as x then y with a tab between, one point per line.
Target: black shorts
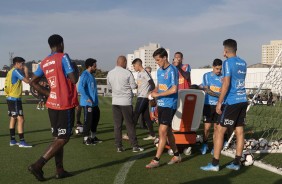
233	115
210	115
165	115
15	108
62	122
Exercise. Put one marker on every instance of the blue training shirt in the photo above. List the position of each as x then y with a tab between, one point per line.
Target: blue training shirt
167	78
236	69
17	75
214	82
66	63
87	87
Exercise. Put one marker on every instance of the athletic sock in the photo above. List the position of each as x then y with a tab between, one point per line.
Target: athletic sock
12	133
85	138
21	136
237	160
215	162
156	159
40	162
176	154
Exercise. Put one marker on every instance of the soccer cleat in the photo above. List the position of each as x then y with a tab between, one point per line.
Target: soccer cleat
13	143
204	149
95	140
210	167
38	108
88	142
153	164
149	138
120	149
137	149
63	174
232	166
174	159
38	173
23	144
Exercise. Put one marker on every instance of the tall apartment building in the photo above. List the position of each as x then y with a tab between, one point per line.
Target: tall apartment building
146	55
270	52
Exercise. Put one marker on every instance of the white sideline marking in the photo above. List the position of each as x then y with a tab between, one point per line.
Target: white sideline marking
121	175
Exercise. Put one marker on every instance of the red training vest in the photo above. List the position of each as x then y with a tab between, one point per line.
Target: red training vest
63	94
182	82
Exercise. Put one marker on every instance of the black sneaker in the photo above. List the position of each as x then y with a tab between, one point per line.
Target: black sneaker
120	149
88	142
63	174
95	140
38	173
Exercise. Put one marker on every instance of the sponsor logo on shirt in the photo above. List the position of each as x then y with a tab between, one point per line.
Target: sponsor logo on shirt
53	95
240	83
215	88
163	87
240	64
241	72
49	63
49	71
241	93
52	81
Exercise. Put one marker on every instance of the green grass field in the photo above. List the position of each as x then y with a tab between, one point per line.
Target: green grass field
102	164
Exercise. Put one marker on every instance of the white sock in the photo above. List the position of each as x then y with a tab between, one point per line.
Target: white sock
85	138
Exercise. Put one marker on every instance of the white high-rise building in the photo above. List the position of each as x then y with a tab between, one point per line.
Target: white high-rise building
270	52
146	55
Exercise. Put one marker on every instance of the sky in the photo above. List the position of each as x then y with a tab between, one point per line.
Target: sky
105	29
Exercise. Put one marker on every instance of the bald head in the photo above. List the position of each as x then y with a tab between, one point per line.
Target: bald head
121	61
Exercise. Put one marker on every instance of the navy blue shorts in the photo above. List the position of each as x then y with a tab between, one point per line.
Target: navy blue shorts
165	115
233	115
15	108
62	122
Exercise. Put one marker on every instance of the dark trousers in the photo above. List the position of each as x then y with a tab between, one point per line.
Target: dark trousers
121	113
142	107
91	119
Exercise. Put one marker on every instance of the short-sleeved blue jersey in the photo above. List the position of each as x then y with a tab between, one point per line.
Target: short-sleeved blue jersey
66	63
17	75
87	87
236	69
214	83
167	78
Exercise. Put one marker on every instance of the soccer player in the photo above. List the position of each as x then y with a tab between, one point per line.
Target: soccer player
145	85
233	110
87	87
184	71
212	82
61	103
121	81
13	90
166	94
